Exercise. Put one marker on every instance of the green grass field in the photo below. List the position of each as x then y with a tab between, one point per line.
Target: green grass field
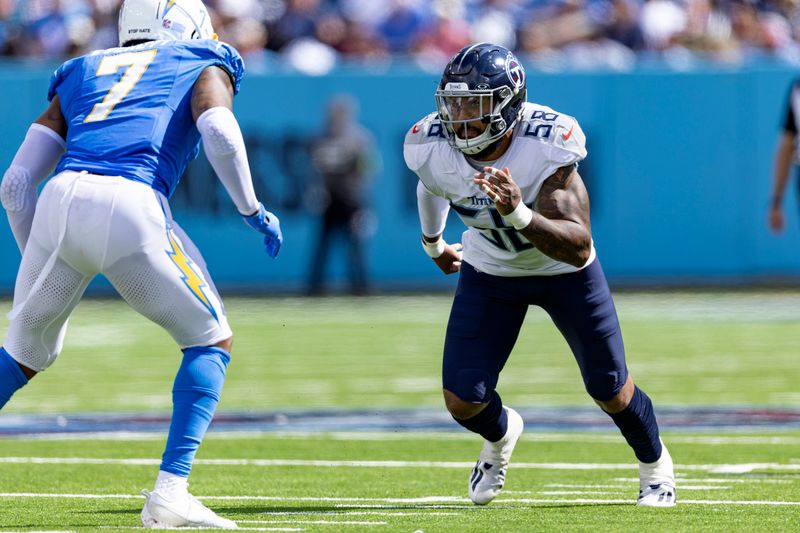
686	350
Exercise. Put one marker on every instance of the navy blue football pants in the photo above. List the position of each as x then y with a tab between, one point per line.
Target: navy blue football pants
488	312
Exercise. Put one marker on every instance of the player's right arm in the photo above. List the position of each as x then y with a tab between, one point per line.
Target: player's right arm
433	207
212	104
433	217
34	161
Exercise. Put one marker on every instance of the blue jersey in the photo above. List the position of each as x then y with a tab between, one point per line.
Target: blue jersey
128	110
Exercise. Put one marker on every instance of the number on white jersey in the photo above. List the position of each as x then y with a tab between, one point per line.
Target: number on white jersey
137	63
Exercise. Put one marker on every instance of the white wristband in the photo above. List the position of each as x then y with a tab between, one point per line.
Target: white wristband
434	249
520	217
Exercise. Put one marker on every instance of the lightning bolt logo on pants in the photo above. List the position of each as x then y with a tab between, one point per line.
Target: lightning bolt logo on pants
190	278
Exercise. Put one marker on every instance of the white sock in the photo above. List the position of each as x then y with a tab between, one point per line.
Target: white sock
167	482
659	472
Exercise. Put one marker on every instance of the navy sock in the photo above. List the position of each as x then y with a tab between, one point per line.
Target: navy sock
638	425
491	423
11	377
195	395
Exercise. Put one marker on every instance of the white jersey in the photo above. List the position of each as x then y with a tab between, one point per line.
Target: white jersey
543	141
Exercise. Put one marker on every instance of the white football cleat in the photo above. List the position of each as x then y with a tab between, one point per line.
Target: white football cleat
657	482
661	495
489	474
180	510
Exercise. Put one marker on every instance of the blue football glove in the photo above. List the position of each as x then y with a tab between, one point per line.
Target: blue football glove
267	223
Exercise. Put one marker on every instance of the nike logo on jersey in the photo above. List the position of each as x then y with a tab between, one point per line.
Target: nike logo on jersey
567	135
415	129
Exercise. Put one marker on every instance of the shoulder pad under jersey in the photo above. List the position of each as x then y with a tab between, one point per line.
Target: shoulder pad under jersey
421	139
218	53
562	132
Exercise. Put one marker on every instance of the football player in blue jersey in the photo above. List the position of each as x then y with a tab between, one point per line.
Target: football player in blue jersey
528	242
121	127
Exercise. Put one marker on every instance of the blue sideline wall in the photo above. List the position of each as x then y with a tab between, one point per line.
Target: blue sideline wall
679	173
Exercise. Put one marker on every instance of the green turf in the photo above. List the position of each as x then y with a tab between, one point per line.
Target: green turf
338	353
296	495
386	352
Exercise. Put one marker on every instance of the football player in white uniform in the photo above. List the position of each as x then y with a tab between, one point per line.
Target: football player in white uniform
509	169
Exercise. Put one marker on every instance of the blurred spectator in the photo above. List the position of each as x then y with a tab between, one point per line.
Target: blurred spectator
786	155
495	22
446	35
314	36
298	22
661	20
402	26
344	158
621	25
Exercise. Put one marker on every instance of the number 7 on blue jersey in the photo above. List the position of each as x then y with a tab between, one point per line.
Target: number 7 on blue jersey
137	63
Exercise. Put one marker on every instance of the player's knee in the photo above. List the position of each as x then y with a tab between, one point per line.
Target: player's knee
619	400
473	385
604	386
31	356
459	408
226	344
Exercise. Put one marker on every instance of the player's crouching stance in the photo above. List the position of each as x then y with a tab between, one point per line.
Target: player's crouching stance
528	242
122	125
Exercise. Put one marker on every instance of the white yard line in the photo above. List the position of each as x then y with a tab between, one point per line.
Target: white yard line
352	513
683	481
428	502
321	522
581	437
191	528
729	468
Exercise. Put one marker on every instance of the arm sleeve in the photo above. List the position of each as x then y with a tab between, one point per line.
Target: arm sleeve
35	160
433	211
224	147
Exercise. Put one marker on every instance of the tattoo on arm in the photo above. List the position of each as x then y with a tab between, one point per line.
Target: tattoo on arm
560	227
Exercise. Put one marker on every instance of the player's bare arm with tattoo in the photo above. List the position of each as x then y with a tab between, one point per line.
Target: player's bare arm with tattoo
559	226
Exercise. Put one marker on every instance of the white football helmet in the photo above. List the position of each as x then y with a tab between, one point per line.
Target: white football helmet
156	20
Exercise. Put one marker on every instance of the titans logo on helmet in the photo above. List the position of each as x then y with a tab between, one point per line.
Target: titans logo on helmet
515	71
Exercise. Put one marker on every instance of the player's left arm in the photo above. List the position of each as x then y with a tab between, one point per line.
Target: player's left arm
34	161
559	226
212	101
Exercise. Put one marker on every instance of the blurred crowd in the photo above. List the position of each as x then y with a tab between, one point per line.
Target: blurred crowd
313	36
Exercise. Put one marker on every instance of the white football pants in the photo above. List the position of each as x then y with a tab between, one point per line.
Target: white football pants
86	225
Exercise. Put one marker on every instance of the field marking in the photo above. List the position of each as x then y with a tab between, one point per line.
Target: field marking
595	489
683	481
575	492
350	513
723	468
322	522
194	528
367	436
426	502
